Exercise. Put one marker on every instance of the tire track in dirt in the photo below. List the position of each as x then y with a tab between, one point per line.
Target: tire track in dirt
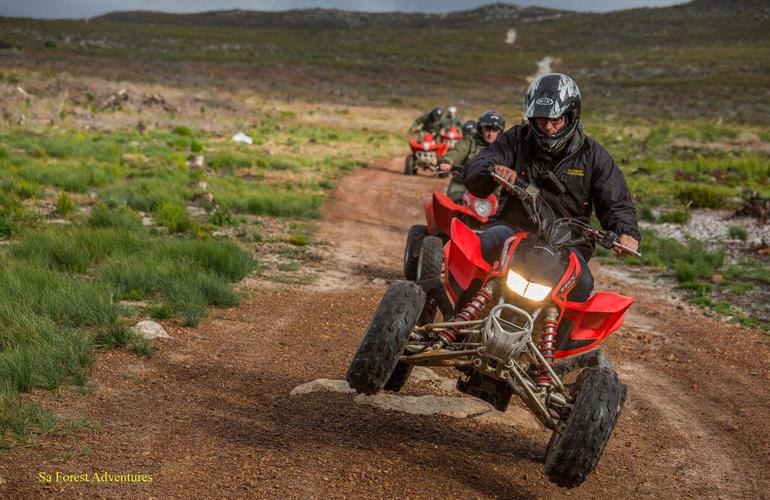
211	415
704	461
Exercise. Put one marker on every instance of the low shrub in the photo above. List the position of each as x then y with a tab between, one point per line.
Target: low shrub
174	218
700	196
64	204
738	233
120	217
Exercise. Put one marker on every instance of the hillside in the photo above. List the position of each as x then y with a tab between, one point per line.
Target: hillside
332	19
692	60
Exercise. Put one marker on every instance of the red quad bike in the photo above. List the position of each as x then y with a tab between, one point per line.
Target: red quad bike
451	136
518	334
425	154
424	251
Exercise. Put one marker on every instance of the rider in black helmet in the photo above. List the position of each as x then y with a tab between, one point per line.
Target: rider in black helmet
490	125
575	173
429	122
469	128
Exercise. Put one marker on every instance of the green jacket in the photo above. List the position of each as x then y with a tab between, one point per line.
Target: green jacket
446	123
463	151
425	124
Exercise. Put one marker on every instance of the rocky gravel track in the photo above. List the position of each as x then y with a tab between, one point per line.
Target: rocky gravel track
209	415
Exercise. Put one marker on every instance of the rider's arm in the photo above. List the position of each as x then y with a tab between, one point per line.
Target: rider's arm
612	200
476	174
458	154
417	124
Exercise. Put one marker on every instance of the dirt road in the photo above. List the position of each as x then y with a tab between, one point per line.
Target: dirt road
209	415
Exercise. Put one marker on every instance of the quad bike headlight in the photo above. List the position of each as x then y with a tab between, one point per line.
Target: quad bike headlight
527	289
482	207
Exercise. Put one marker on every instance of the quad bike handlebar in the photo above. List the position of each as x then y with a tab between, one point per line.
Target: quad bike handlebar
529	195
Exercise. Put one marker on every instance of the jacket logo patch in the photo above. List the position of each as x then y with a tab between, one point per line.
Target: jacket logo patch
577	172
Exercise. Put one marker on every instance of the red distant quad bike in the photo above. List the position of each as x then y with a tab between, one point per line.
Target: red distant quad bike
451	136
425	154
511	331
423	254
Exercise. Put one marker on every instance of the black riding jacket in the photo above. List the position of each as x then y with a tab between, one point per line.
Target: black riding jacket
591	177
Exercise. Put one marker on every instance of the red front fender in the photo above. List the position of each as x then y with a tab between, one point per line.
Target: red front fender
463	259
593	321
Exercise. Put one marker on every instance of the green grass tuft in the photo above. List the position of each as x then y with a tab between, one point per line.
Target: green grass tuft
174	218
64	204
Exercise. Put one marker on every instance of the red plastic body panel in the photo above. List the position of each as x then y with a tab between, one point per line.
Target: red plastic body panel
510	248
595	319
452	134
563	288
463	259
440	210
428	143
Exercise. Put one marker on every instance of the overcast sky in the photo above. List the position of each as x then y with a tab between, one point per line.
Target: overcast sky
90	8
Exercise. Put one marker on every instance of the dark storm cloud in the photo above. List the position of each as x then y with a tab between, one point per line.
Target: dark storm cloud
90	8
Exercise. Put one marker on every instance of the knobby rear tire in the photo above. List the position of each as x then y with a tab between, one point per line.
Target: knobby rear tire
409	168
412	250
431	260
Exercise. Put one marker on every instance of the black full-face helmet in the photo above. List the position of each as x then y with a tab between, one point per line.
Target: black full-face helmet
491	119
436	113
469	128
551	96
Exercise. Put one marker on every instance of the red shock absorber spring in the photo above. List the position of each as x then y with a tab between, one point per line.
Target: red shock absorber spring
472	310
548	346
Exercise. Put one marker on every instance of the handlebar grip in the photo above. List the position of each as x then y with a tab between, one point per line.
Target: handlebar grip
609	239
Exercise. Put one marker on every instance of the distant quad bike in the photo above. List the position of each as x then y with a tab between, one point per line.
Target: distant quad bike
424	251
425	154
451	136
510	324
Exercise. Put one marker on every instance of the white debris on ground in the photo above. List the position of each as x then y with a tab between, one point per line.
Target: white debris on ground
243	138
196	161
510	37
427	405
712	227
422	374
321	385
543	68
150	330
452	406
456	407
